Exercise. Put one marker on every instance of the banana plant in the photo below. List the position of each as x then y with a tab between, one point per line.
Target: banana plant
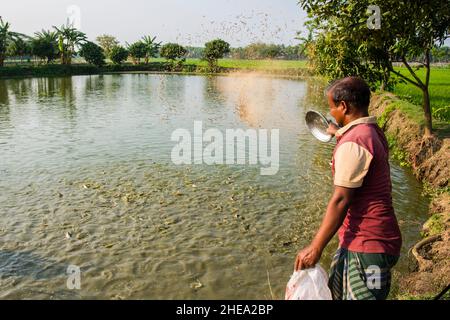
68	39
151	47
6	38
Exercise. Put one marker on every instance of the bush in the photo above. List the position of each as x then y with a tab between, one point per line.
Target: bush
215	50
93	54
45	48
118	54
137	51
174	52
442	113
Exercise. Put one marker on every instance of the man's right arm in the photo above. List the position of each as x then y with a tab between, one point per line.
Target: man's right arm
333	219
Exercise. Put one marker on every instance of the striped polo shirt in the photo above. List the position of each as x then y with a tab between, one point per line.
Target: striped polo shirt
361	161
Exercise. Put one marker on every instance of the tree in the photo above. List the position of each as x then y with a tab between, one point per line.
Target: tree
107	42
19	48
215	50
93	54
174	53
238	53
118	54
272	51
441	54
409	29
337	59
255	50
6	38
69	39
151	47
45	45
296	52
194	52
137	51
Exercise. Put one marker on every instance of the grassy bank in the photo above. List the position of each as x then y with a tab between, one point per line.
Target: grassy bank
294	68
429	159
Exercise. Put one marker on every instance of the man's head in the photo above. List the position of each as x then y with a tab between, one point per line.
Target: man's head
348	99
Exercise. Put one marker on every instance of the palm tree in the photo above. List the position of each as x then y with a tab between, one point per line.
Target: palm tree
19	47
6	38
151	47
68	39
45	45
47	34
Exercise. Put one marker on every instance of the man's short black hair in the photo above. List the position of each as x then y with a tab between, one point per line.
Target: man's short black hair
353	90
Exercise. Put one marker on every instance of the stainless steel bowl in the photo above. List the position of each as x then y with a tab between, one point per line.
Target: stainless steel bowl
318	124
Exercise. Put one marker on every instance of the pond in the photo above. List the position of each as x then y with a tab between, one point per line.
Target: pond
87	180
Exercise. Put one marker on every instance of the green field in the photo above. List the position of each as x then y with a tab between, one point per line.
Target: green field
249	64
439	91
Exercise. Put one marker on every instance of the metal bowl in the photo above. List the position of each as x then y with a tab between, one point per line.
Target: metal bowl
318	124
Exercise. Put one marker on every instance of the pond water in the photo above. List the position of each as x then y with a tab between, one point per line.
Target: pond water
86	179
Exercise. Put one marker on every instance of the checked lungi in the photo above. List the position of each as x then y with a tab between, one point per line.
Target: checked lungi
360	276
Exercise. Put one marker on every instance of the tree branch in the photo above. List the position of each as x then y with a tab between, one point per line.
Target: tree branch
404	77
411	71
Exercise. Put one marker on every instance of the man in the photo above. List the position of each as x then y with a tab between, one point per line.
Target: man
360	209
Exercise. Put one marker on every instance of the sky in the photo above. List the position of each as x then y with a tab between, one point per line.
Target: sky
192	22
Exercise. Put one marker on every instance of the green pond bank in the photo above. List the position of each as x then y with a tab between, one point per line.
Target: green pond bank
190	67
429	159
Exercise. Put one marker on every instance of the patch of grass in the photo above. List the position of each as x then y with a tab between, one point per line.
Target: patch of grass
382	120
397	153
439	91
415	113
248	64
434	225
408	296
262	64
432	192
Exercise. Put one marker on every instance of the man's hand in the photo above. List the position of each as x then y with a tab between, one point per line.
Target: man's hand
307	258
332	128
336	211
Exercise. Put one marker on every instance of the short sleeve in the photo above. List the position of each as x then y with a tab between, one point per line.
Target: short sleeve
351	163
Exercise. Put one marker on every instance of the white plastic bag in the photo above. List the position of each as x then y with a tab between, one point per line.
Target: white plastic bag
308	284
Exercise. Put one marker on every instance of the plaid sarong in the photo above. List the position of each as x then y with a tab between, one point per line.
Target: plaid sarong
360	276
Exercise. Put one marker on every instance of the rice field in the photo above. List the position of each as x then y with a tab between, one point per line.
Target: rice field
439	91
249	64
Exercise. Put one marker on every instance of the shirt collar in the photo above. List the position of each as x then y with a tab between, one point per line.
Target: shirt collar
344	129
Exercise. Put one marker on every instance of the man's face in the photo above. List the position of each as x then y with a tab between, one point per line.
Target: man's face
337	111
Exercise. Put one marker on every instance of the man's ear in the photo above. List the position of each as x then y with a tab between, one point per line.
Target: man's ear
344	107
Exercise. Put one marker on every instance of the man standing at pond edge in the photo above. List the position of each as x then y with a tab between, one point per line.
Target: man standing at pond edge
360	209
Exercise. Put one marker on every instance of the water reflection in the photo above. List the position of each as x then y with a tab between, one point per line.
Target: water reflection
4	95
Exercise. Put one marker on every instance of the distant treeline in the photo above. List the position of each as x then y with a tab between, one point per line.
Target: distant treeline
257	51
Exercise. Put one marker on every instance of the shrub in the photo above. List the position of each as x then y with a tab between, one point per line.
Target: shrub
93	54
118	54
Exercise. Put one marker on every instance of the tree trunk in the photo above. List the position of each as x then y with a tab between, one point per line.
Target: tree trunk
2	60
427	112
426	97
